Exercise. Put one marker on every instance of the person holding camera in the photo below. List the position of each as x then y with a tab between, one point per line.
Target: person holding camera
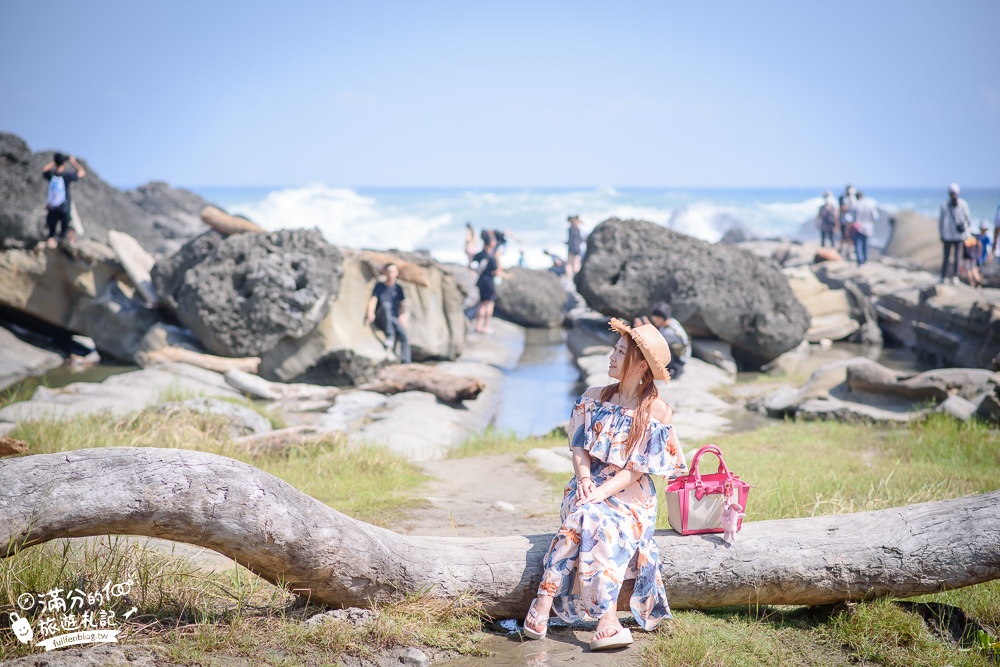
954	223
57	199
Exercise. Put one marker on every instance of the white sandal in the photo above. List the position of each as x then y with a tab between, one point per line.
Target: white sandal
620	639
529	633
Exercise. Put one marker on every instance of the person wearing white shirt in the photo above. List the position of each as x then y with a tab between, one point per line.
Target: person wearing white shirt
954	223
865	217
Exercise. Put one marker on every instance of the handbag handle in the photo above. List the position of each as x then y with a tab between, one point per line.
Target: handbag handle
699	491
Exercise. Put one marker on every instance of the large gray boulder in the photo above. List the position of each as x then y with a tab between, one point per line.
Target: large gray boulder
531	298
715	290
168	273
915	238
252	290
100	206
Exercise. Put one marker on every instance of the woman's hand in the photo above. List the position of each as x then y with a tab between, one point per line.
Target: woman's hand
591	494
585	486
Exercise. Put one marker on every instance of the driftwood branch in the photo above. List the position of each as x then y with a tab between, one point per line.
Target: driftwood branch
227	224
285	536
390	380
209	361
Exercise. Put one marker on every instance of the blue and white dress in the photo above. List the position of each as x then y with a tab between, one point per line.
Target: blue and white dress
600	545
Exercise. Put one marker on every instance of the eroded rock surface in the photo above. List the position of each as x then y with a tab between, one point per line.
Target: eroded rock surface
715	290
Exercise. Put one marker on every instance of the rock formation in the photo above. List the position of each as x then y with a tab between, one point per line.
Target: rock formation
915	239
947	325
531	298
78	291
715	290
254	289
862	390
100	206
343	349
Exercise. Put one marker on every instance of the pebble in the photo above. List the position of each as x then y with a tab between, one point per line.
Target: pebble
353	615
414	656
504	506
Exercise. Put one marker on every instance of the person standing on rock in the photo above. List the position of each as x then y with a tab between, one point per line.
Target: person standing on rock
486	260
826	220
620	436
954	224
661	317
574	248
847	201
470	242
387	311
865	217
57	199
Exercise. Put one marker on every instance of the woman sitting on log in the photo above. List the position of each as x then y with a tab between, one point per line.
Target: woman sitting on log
620	435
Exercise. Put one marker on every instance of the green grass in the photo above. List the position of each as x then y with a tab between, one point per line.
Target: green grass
364	481
492	442
188	614
817	468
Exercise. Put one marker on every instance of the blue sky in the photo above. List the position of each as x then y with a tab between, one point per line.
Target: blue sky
659	94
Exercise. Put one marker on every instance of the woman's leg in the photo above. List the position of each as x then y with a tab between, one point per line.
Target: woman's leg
487	316
542	606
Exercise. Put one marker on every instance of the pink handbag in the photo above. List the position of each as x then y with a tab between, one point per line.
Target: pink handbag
695	501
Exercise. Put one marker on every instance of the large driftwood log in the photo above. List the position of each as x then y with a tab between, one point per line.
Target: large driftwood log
227	224
408	271
285	536
414	377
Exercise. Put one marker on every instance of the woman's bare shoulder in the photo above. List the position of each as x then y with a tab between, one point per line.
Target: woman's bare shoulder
660	411
594	392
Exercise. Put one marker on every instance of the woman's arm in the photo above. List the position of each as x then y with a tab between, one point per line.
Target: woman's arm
581	468
621	480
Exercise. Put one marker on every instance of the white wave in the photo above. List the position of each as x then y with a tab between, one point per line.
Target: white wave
343	216
435	220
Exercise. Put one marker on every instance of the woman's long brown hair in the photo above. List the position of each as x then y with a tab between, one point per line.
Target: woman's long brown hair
633	355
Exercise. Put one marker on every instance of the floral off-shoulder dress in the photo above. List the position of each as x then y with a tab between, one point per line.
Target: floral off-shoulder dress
600	545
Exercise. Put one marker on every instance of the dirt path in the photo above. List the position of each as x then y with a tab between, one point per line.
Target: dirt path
483	495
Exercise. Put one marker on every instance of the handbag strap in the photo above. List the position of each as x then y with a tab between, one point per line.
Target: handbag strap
708	449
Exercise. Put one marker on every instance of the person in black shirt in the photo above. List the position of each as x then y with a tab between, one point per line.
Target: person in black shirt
57	220
486	260
387	311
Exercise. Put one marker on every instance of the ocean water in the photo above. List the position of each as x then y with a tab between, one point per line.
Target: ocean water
433	219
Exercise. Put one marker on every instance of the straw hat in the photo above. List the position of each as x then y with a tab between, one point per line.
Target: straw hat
651	343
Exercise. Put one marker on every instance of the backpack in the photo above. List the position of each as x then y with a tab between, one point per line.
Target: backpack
56	197
828	218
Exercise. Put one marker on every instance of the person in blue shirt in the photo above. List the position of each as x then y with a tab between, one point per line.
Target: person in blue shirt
985	243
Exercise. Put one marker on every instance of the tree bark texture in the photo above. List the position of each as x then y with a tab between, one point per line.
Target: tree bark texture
291	539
